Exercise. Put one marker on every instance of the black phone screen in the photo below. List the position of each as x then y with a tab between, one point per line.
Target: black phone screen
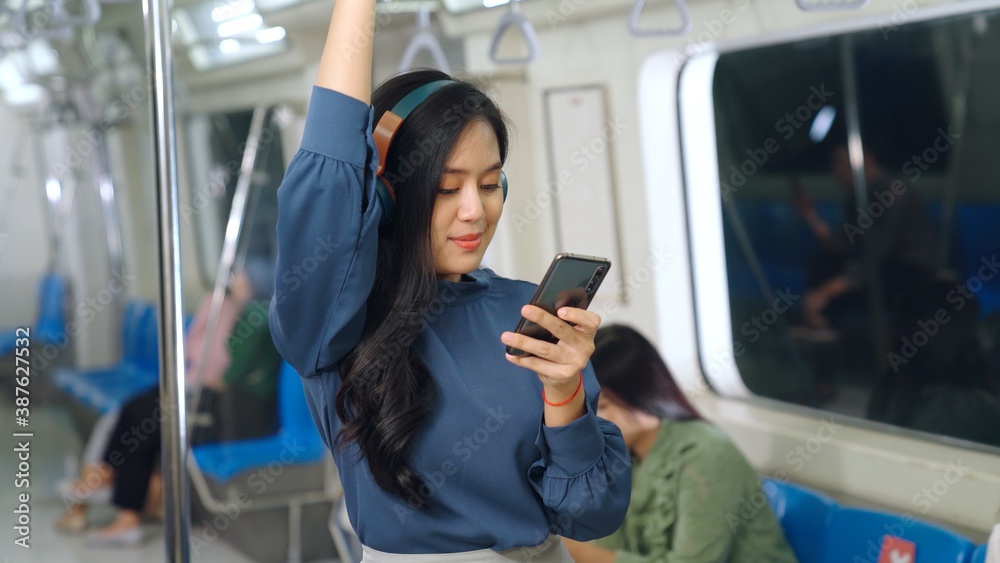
571	281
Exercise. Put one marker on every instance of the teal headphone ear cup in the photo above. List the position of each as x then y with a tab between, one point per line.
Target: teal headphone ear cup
383	195
503	184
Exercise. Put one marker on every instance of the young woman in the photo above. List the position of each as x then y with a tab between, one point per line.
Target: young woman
689	479
448	450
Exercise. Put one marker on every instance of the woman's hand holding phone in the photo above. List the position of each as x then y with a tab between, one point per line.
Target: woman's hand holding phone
555	336
557	365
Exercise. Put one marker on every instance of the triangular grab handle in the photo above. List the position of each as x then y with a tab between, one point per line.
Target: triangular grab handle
513	16
682	29
424	39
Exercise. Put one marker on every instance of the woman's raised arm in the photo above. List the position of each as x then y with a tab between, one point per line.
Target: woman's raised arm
346	63
327	225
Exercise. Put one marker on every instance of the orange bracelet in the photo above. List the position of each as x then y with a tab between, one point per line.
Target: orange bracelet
567	401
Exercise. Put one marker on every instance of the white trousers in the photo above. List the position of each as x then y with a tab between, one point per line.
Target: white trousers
551	550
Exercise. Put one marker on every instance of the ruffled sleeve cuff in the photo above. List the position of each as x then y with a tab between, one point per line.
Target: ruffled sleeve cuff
571	450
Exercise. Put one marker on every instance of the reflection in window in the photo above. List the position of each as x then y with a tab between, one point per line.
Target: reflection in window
872	292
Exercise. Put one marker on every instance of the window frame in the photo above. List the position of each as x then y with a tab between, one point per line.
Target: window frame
702	208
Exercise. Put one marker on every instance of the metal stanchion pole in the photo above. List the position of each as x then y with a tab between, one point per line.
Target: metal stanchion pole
156	14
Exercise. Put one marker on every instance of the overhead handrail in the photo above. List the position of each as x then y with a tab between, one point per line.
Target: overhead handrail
514	16
830	5
636	14
424	39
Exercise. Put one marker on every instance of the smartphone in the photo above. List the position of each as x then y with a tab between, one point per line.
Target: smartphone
571	281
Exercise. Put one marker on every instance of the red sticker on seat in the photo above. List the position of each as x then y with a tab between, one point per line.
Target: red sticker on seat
897	550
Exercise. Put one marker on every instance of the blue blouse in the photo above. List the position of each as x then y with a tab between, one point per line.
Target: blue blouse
495	476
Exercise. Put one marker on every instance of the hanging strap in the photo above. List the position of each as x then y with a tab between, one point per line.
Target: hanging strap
424	39
513	17
682	29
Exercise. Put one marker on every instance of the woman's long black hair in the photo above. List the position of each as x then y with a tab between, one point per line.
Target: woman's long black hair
387	390
629	368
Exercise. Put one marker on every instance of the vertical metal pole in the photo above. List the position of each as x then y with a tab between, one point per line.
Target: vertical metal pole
237	216
156	14
959	99
52	191
855	150
112	227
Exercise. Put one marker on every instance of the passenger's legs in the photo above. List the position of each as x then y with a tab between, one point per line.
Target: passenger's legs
133	449
94	479
132	452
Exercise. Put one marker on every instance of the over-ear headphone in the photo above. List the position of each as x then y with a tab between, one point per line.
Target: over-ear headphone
386	129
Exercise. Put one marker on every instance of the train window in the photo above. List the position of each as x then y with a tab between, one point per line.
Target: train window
257	247
860	217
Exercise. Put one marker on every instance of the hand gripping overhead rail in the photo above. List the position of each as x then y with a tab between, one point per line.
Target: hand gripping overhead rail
514	16
636	14
424	39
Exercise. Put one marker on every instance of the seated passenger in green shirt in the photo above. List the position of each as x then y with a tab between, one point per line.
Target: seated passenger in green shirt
688	479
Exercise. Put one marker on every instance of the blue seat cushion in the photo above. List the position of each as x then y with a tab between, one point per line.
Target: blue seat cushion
297	442
106	389
49	326
803	514
110	388
857	533
980	555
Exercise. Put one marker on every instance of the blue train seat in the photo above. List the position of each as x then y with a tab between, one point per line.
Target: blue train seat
109	388
50	327
855	534
979	556
804	516
297	436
